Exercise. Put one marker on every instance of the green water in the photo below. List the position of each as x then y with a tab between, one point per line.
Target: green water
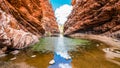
83	53
50	43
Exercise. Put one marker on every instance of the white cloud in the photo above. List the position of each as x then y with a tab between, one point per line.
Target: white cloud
62	65
64	54
62	13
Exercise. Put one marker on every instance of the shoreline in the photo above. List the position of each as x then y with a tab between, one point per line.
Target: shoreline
104	39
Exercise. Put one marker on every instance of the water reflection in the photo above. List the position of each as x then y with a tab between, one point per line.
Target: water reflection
61	56
61	48
60	62
84	53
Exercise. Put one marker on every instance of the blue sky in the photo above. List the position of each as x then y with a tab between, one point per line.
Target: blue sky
58	3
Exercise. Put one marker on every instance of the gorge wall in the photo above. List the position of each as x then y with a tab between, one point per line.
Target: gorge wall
94	17
23	22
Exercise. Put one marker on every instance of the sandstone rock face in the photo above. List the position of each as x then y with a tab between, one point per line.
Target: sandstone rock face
73	2
23	22
96	17
48	21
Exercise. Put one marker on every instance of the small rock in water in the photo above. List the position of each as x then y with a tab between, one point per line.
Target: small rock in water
97	45
67	58
15	52
33	56
117	52
13	58
107	49
52	62
2	55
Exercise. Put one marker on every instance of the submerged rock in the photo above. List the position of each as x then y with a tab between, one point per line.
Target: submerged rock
23	22
33	56
15	52
68	58
3	55
52	62
13	58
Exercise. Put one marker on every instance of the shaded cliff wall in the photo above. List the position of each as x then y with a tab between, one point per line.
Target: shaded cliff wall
23	22
49	20
94	17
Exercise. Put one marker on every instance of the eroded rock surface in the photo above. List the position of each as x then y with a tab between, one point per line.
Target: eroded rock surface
96	20
96	17
23	22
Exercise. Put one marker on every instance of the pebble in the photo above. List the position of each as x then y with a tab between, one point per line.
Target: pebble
107	49
13	58
52	62
15	52
33	56
67	58
97	45
2	55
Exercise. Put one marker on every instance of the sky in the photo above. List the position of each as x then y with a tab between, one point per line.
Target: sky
62	13
62	10
58	3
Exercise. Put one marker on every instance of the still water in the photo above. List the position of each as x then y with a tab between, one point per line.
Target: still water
64	52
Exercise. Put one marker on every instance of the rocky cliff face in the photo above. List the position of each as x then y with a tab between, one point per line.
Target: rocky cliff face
23	22
95	17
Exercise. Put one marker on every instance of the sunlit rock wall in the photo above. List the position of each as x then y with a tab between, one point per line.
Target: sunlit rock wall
23	22
95	17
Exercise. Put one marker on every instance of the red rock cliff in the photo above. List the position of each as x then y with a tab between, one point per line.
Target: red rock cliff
96	17
22	22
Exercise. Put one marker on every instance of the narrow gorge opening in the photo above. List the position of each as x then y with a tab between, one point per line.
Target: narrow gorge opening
62	9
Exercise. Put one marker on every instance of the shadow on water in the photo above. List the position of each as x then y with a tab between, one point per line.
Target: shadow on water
66	52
